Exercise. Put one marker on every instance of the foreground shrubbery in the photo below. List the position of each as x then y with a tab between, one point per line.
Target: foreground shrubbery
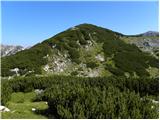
72	97
94	102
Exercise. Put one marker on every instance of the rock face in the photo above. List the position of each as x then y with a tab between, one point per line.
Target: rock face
7	50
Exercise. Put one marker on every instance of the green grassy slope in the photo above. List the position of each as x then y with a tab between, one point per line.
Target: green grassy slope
21	105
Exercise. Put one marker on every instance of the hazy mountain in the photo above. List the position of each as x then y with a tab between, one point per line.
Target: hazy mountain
7	50
150	33
84	50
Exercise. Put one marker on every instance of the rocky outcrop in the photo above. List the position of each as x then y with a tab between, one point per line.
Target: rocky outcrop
100	57
16	71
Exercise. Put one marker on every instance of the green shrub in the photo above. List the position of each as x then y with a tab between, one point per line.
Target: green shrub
82	102
92	64
74	73
143	86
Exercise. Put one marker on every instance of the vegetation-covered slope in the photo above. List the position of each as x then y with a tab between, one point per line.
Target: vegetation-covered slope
84	50
148	44
30	59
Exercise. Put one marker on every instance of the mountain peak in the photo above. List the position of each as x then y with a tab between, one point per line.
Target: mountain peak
84	50
150	33
85	24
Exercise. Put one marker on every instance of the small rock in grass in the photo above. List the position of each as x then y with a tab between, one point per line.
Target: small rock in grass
33	109
152	107
4	109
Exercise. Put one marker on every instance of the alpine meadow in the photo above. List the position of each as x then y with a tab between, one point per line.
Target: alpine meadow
86	71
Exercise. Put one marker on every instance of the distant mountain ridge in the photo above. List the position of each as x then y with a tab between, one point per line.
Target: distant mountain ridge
150	33
147	42
84	50
7	50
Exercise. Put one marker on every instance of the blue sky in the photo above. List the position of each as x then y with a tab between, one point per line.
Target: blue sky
27	23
